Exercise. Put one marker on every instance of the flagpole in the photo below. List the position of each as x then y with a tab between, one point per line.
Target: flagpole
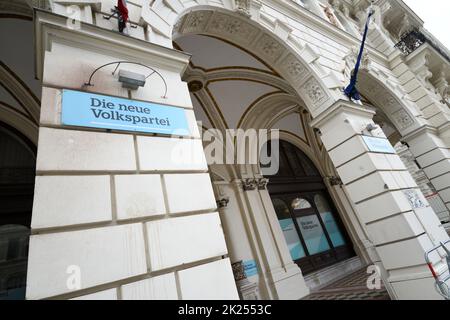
350	91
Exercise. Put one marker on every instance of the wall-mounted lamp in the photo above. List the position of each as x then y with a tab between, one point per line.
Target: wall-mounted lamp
130	80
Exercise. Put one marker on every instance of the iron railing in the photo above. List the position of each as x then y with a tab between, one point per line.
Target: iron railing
414	39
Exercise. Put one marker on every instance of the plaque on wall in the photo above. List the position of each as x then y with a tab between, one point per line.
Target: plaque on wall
84	109
379	145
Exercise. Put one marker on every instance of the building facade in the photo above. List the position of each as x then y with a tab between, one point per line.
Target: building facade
125	214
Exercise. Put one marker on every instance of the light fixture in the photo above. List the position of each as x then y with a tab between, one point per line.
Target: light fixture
131	80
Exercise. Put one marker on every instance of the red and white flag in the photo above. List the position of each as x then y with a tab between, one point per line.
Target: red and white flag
123	9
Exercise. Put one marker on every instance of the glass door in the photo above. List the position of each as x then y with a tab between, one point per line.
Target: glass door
312	230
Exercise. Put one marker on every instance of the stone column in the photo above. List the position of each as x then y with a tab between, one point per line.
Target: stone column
398	219
120	215
433	155
283	277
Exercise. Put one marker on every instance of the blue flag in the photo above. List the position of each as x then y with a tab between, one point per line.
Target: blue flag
351	92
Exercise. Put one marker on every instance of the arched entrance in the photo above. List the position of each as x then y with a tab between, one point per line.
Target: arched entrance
17	174
314	233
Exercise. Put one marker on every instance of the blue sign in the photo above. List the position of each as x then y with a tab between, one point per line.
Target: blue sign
85	109
250	268
380	145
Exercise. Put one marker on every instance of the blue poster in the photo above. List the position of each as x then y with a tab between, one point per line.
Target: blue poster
85	109
293	241
250	268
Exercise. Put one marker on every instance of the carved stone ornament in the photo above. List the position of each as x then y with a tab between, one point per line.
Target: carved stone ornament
271	48
243	7
249	184
403	119
223	24
334	181
294	68
223	202
196	21
262	183
314	91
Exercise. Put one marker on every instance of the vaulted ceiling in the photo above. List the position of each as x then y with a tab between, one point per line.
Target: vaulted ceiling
227	83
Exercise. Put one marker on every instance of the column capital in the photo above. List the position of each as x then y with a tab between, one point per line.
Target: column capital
341	106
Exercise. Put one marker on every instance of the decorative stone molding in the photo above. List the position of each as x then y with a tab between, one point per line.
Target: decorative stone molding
269	47
252	184
294	68
243	7
262	183
314	92
249	184
403	119
334	181
227	25
223	202
387	101
248	34
419	64
443	87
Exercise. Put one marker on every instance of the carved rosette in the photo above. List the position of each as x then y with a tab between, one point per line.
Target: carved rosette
227	25
314	92
269	47
294	68
403	119
197	21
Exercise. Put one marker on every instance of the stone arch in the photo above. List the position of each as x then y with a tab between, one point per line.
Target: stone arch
389	97
296	64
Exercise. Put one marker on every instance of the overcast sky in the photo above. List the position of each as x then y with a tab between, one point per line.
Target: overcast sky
436	15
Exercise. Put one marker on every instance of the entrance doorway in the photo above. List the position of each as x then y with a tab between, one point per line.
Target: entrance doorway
314	233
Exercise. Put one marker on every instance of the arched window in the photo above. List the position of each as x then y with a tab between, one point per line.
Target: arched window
310	224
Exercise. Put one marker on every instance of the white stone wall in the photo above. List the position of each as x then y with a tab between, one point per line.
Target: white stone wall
92	157
121	215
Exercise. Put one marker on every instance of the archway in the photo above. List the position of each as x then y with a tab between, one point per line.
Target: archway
235	85
17	174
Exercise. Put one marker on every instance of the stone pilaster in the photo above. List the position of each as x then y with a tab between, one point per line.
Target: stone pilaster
433	155
398	219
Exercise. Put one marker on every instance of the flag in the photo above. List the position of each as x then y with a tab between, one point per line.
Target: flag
351	92
123	14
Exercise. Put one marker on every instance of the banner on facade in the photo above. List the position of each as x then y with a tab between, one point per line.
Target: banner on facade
86	109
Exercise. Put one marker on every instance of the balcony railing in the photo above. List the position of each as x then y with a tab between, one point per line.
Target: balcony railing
414	39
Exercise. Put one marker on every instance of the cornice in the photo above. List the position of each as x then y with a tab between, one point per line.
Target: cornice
315	22
338	107
50	27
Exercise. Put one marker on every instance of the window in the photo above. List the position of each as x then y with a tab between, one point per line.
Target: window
289	230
